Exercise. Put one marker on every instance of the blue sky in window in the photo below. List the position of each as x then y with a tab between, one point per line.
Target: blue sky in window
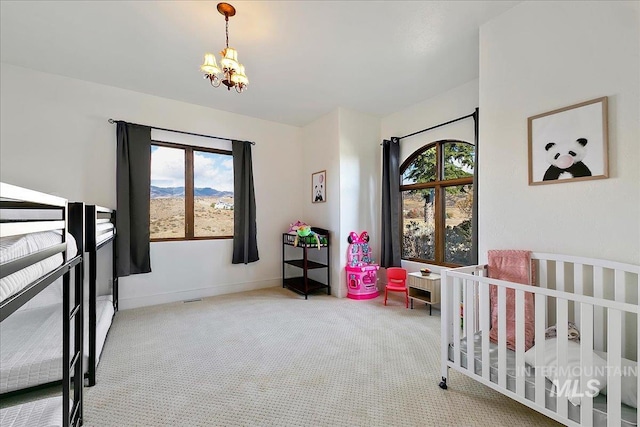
210	169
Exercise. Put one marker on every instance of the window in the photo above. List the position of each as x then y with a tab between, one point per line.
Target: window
437	201
191	193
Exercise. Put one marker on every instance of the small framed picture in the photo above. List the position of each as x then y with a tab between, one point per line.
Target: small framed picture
319	187
569	144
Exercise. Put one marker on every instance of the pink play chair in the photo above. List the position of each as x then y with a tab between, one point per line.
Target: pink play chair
397	282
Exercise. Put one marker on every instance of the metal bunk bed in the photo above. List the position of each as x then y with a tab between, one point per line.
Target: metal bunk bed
61	217
100	230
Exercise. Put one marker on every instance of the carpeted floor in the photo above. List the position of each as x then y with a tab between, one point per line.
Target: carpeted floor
270	358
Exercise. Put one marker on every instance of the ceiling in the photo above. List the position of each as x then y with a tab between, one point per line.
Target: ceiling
303	58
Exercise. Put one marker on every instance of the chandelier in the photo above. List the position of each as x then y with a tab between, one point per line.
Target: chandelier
232	73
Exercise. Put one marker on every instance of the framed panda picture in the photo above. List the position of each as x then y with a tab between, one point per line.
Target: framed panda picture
569	144
319	187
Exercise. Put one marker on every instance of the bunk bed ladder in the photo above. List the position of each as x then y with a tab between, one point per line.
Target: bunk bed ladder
73	415
93	244
91	217
114	248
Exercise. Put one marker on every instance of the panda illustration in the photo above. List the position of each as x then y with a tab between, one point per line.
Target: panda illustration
566	160
318	192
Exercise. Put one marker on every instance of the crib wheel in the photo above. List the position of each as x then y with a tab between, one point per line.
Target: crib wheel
443	383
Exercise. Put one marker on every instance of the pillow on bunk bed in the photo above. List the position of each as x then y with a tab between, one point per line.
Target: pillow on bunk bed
573	368
628	381
513	266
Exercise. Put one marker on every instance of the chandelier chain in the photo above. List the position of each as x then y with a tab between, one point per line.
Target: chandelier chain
226	18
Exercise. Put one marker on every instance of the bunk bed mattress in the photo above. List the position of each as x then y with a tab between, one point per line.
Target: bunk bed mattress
14	247
104	231
31	351
43	412
599	402
104	317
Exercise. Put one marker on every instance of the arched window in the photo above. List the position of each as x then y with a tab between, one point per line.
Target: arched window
437	203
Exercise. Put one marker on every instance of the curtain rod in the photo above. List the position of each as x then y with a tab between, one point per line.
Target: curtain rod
181	131
437	126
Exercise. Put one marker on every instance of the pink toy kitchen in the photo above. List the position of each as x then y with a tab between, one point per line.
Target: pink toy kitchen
362	272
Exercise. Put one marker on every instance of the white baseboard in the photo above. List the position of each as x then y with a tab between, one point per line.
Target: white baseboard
148	300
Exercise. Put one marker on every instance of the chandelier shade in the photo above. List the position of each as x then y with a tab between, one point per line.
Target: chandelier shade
229	58
210	66
231	73
239	76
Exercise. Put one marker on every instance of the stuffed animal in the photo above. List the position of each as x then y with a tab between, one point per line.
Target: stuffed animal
565	160
305	231
293	228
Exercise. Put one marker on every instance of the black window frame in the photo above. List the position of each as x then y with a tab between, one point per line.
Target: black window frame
189	220
439	185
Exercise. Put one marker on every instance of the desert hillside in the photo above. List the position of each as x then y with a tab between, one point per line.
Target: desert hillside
167	217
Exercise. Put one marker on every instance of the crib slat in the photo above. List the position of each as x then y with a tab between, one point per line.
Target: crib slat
520	344
445	323
562	330
541	316
614	363
456	321
621	295
502	337
578	289
598	312
485	326
476	310
469	320
586	359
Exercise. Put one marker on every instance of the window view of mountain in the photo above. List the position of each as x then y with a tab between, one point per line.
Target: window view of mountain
158	192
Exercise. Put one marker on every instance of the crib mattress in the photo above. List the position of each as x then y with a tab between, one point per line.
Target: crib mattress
14	247
31	351
43	412
599	402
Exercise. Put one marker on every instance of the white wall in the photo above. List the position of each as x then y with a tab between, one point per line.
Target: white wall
450	105
345	143
360	199
320	147
537	57
55	138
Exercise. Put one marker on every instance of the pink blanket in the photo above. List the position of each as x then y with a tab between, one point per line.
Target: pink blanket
513	266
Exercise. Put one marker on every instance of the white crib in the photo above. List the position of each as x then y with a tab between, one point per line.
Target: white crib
600	296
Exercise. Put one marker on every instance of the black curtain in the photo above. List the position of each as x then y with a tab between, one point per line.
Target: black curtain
133	180
245	244
390	256
474	215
